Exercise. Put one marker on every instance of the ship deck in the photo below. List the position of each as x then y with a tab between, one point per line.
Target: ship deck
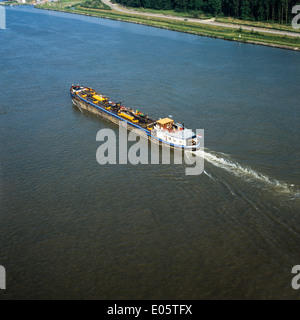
128	114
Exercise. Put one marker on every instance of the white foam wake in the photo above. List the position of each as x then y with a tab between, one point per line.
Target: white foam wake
223	161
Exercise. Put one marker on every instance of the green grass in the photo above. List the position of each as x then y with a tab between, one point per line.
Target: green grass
186	26
59	5
8	3
95	4
268	25
229	20
191	14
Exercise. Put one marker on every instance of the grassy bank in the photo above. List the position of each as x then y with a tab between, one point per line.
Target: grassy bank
266	25
8	3
189	14
228	20
240	35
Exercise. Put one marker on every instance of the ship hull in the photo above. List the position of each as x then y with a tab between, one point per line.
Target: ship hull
81	105
101	111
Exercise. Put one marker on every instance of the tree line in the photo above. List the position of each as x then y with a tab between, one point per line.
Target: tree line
255	10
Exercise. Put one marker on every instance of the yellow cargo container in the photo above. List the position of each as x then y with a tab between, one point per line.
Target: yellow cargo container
124	115
97	97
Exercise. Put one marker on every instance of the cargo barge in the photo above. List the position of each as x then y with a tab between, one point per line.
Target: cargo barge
164	131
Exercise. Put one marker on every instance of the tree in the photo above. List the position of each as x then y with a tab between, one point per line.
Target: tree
276	10
215	6
272	4
286	10
195	5
245	10
198	4
236	8
181	5
261	10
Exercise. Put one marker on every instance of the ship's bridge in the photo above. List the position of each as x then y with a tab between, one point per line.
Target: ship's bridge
165	123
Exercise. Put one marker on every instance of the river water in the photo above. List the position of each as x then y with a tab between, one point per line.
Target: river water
71	228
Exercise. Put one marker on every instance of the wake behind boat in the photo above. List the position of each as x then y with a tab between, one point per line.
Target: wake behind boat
164	131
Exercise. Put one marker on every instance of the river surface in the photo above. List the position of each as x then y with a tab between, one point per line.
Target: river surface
71	228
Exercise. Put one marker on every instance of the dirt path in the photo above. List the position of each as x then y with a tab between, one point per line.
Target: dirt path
209	21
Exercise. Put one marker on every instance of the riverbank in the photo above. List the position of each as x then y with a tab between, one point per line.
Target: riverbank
201	17
11	3
207	30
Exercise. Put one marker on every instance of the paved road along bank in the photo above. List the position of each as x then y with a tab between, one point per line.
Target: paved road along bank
209	21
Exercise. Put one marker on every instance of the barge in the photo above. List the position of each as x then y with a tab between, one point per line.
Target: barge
164	131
